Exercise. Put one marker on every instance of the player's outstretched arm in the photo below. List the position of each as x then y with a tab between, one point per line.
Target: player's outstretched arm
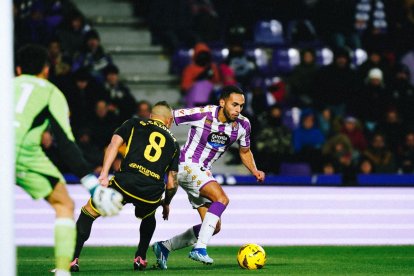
247	159
110	155
170	190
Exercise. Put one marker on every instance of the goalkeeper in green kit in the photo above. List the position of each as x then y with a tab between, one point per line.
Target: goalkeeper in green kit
38	104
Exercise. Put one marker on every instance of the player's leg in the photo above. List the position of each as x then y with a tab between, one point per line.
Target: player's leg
214	192
65	231
146	212
84	223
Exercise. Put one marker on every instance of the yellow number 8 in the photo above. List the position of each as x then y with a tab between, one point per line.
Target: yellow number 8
154	145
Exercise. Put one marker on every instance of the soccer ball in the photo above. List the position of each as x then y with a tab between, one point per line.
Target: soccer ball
251	256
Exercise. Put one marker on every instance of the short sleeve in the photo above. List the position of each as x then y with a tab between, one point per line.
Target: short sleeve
125	129
244	140
186	116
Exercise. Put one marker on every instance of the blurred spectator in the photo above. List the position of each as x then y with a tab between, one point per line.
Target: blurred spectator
102	125
406	154
336	84
365	166
59	63
258	99
339	150
90	151
408	60
326	121
120	100
373	99
375	60
277	88
227	74
72	32
82	93
402	94
244	67
380	156
273	141
308	141
301	81
143	109
92	56
199	77
392	128
352	129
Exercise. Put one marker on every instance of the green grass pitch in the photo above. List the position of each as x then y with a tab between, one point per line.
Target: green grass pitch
290	260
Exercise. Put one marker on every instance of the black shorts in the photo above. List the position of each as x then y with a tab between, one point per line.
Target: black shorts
143	208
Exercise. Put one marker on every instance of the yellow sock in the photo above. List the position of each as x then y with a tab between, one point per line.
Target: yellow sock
65	239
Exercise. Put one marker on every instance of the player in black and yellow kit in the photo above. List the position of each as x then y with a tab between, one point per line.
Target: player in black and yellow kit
152	152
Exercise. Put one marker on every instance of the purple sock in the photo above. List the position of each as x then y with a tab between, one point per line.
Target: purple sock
217	208
196	229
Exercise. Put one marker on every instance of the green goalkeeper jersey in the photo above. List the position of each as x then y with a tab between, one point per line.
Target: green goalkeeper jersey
36	102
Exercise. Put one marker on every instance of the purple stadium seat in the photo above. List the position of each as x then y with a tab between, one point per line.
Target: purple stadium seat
284	60
180	59
299	169
268	32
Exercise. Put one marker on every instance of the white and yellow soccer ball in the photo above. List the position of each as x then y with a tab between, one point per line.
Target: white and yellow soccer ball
251	256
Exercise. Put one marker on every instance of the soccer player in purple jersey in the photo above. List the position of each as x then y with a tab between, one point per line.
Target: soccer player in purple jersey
213	130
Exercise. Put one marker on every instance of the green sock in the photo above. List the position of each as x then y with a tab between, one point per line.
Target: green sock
65	238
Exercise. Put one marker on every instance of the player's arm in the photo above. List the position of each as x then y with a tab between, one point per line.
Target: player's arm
108	201
170	190
172	182
247	159
110	155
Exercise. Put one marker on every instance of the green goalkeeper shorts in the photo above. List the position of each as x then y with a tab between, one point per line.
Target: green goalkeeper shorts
36	174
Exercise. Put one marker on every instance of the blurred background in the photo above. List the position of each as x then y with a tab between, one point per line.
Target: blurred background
329	93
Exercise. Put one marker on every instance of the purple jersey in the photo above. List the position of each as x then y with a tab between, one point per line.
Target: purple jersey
209	138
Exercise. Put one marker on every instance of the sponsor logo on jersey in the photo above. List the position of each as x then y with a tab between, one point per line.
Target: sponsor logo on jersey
218	139
144	170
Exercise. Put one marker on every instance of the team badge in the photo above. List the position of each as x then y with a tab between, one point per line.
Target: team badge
235	126
208	122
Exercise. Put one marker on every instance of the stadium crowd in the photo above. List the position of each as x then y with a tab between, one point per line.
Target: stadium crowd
345	116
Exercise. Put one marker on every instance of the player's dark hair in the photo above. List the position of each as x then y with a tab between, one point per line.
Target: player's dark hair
31	59
163	103
230	89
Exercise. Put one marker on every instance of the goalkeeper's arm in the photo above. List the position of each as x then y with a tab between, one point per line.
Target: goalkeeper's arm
108	201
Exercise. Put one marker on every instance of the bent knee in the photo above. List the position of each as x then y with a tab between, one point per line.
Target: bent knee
224	200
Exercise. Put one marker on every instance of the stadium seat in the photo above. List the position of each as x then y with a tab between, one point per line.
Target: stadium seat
284	60
299	169
324	56
180	59
268	32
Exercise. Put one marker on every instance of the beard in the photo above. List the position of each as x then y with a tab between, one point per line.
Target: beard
227	115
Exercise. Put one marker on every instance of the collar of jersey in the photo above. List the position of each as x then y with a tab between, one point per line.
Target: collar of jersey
158	120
